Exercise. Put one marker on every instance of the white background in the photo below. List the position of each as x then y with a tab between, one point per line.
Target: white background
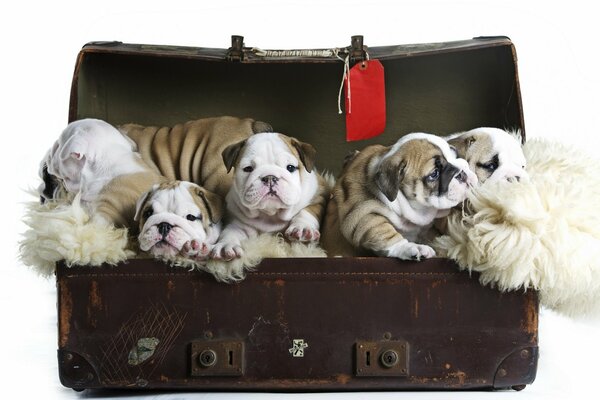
557	45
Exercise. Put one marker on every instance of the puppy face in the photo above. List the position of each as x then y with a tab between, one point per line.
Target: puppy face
174	213
425	171
493	154
269	170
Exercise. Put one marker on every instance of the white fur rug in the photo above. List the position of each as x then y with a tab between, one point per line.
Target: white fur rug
61	231
543	234
65	232
255	249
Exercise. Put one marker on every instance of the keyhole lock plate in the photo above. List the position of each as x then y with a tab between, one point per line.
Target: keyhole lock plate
384	358
217	358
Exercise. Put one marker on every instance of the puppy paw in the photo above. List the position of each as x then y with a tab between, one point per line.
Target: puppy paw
411	251
226	252
195	250
302	234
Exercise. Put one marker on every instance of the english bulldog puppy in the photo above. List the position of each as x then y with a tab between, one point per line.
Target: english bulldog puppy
88	154
178	217
275	189
386	197
492	153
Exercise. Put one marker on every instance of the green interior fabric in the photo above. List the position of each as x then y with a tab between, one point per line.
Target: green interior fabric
435	93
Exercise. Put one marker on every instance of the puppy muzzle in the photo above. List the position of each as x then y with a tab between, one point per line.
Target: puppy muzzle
165	222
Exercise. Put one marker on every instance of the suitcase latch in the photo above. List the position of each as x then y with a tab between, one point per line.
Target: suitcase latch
217	358
236	51
384	358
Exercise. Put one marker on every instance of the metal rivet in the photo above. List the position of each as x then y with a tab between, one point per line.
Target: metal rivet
501	372
207	358
208	335
525	353
389	358
387	335
69	357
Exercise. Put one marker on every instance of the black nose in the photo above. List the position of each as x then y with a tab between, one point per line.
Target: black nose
462	177
164	228
269	180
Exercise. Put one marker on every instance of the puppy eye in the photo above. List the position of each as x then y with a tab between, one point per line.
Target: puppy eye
490	166
433	176
291	168
192	218
248	169
148	213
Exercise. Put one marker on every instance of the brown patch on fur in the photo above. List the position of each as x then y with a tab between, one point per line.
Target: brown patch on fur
167	185
117	200
476	148
304	152
210	204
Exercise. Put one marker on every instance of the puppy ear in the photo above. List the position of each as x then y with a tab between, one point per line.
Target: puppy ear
213	202
389	175
260	127
231	154
139	205
461	144
307	154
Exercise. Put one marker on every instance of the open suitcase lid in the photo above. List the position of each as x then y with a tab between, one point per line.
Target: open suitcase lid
471	83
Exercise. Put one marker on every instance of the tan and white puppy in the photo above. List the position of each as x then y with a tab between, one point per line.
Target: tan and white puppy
275	189
179	218
88	154
492	153
386	197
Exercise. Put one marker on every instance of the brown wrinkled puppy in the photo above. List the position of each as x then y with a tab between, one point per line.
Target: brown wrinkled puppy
192	151
387	196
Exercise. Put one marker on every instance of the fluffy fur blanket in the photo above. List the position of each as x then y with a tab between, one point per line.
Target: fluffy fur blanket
542	234
59	231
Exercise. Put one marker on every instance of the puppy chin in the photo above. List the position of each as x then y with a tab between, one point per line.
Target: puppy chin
163	249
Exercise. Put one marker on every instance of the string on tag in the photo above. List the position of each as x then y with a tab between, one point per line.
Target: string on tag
346	75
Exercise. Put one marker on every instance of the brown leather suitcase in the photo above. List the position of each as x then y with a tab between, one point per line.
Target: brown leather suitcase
296	324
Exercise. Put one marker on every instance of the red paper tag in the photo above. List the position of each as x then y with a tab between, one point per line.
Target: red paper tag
365	101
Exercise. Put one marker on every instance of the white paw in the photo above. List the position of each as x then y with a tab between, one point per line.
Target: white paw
411	251
196	250
302	234
226	251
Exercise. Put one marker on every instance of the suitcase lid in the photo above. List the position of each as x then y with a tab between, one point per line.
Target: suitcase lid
438	88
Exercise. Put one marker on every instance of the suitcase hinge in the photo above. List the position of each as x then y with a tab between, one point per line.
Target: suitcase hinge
358	51
236	52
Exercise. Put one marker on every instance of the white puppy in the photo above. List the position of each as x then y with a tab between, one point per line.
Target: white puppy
88	154
179	218
275	189
493	154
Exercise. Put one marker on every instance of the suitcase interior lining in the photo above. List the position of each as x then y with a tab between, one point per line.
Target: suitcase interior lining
454	92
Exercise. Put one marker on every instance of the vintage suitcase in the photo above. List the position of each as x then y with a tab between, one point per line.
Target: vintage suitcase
296	324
